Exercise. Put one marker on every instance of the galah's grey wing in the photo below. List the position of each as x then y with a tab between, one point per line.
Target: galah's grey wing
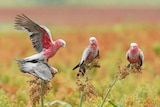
26	67
84	57
98	54
127	55
85	54
141	57
38	34
36	68
43	71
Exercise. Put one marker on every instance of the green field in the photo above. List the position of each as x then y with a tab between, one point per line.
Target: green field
136	90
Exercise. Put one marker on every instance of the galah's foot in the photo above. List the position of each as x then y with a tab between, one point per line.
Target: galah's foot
128	65
81	72
138	68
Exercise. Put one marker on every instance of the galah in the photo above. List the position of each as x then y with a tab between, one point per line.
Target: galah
90	52
37	68
134	55
40	37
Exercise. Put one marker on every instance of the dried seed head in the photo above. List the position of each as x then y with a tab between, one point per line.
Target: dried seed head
35	90
85	85
94	64
88	66
129	102
148	102
124	71
135	68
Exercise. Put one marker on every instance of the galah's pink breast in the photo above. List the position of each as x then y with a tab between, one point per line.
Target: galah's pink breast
49	52
134	59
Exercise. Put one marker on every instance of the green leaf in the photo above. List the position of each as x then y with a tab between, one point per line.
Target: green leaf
114	105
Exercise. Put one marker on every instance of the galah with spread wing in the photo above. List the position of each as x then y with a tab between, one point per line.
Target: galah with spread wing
135	55
90	52
40	37
37	68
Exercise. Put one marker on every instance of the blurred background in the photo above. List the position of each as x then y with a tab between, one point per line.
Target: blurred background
72	12
115	24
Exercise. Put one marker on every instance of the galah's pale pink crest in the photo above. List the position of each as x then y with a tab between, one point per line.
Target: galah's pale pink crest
40	37
90	52
37	68
135	55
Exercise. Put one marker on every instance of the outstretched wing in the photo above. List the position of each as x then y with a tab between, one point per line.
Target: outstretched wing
39	35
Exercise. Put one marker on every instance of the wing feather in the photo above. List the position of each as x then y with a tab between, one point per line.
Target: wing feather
43	71
141	57
37	33
98	53
127	55
36	68
85	54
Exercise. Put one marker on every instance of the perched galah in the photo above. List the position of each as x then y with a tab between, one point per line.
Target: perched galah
40	37
37	68
135	55
90	53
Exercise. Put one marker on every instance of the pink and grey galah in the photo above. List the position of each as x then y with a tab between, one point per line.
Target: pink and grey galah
37	68
90	52
135	55
40	37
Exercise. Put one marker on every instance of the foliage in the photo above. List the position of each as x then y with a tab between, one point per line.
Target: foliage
156	48
138	90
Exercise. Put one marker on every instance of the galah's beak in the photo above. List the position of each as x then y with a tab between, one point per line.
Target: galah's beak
63	43
132	48
64	46
92	41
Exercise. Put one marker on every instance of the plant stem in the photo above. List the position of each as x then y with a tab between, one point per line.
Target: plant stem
81	100
42	93
108	91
